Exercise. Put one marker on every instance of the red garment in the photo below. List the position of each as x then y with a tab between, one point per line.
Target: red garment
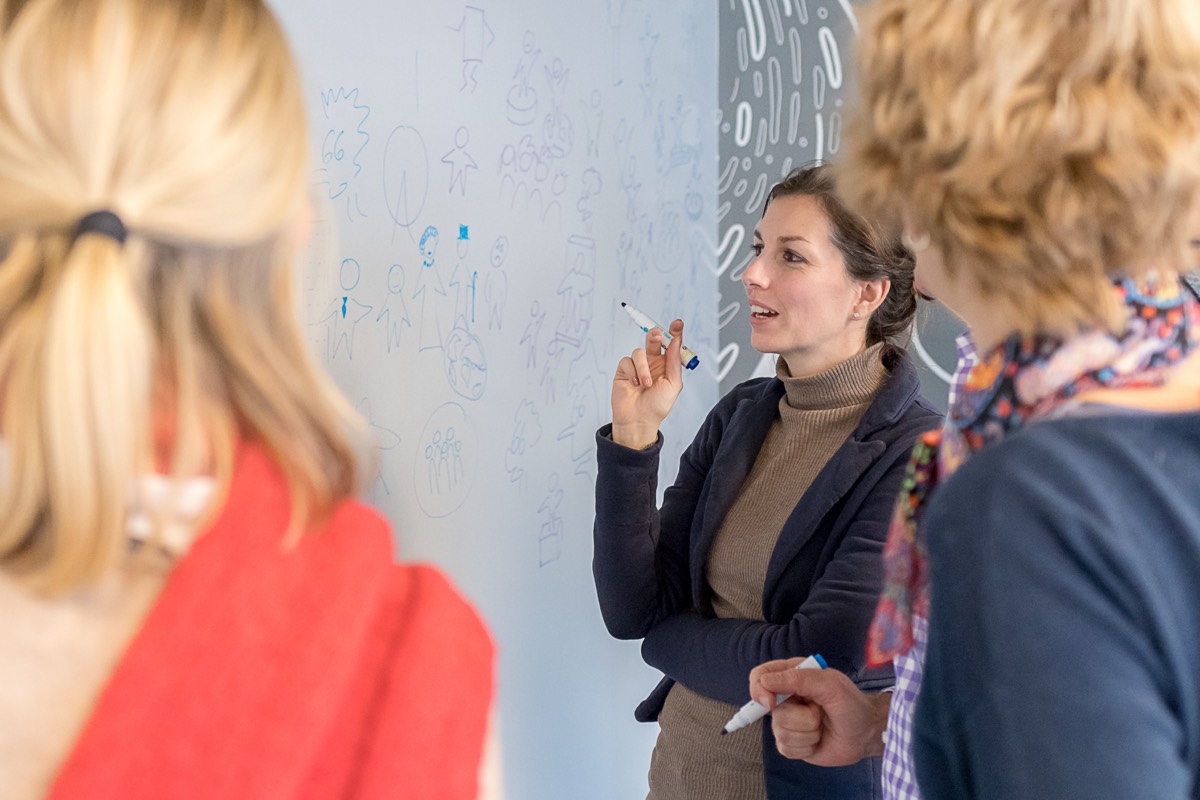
324	671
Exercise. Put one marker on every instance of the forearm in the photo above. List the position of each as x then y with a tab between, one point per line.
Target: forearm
636	574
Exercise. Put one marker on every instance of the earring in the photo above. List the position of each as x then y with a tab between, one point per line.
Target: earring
915	244
856	315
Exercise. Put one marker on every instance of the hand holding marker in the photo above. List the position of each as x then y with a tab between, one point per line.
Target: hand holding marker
754	711
686	356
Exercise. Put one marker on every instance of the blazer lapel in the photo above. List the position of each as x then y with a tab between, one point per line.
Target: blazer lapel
832	483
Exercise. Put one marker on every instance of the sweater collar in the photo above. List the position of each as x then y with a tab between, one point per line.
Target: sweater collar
852	382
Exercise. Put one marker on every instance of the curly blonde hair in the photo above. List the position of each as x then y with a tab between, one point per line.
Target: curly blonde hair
185	117
1043	144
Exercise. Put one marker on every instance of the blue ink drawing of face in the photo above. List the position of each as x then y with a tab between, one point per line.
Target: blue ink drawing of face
429	240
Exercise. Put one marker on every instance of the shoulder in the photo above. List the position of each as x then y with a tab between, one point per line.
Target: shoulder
900	412
755	396
751	391
1078	488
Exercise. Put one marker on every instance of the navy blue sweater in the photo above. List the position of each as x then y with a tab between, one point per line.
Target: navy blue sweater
1064	648
823	579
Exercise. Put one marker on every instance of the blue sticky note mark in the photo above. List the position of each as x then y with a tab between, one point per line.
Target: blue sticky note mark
463	232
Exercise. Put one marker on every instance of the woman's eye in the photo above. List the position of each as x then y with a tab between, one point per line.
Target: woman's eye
793	257
756	248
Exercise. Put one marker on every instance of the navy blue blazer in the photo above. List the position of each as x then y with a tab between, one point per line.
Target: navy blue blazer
823	579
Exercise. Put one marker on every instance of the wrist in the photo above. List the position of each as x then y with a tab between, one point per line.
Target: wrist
876	733
635	435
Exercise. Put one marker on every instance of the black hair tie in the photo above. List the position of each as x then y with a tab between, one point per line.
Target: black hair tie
103	222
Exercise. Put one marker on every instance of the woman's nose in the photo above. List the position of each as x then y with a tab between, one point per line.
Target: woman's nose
754	274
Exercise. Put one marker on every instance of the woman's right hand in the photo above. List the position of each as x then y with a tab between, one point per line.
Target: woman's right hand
645	387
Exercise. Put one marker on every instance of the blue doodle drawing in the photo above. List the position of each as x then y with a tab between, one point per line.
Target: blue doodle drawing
527	432
495	287
593	183
466	363
593	120
344	313
477	37
533	331
445	461
463	281
550	534
584	413
649	81
522	97
393	328
405	176
429	278
383	439
575	292
558	133
342	145
459	161
524	173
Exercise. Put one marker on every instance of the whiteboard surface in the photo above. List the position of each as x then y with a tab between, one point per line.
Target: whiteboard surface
489	182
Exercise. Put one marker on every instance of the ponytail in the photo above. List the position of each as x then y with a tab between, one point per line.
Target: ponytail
76	356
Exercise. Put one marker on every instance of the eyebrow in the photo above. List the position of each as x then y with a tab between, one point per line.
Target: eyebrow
782	239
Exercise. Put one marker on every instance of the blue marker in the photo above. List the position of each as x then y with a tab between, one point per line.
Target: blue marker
686	356
754	711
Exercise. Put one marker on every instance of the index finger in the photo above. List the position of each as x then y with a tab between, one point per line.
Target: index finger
756	675
674	359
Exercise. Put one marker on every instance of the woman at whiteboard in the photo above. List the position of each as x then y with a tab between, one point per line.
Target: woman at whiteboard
1041	602
768	543
191	602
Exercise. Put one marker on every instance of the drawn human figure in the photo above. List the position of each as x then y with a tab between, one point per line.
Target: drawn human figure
649	81
557	131
393	327
444	461
682	150
522	97
616	15
383	439
575	292
477	36
429	279
462	282
341	147
592	184
584	416
527	432
593	120
445	465
495	286
533	330
459	161
551	369
550	534
344	313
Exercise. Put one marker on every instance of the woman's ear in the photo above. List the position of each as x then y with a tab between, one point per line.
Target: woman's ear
871	295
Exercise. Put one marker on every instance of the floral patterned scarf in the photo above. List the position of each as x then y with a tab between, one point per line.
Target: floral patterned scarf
1021	380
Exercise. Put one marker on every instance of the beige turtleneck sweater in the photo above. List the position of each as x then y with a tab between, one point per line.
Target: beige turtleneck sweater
816	415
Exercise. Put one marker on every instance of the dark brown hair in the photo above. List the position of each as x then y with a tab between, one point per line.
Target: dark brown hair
869	252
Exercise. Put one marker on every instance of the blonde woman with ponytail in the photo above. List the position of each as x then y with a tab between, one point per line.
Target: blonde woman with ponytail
191	602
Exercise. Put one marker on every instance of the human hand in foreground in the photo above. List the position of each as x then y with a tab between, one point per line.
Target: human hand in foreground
827	721
645	387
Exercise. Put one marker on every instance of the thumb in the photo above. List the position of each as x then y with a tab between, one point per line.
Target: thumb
806	684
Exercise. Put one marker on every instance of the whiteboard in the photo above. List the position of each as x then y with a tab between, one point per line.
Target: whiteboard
489	182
